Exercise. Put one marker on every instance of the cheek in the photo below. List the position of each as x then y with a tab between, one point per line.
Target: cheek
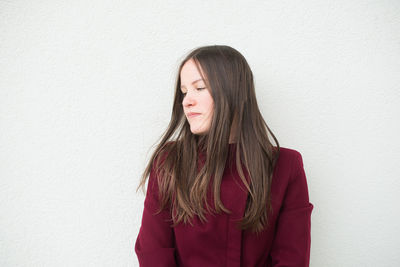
206	102
211	108
210	104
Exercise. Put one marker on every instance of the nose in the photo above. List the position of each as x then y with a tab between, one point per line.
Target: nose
189	100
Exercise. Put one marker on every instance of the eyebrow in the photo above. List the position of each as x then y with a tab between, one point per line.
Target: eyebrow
193	82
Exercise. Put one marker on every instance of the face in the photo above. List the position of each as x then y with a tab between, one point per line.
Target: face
197	103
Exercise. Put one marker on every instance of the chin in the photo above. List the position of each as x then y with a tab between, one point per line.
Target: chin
198	132
199	128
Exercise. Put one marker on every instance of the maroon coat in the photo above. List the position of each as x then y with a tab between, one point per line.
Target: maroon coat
219	242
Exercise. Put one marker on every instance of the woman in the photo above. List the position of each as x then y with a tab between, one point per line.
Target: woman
219	193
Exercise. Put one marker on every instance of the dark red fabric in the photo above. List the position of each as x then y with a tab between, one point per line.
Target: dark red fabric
219	242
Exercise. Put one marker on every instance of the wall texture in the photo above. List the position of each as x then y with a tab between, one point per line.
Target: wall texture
86	89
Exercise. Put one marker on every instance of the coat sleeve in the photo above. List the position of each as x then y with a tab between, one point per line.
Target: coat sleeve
155	245
292	240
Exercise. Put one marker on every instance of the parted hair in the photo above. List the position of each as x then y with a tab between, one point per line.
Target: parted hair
182	184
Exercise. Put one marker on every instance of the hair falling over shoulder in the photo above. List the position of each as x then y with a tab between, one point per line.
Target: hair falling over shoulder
183	185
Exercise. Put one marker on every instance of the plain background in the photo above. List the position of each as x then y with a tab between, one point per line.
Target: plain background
86	89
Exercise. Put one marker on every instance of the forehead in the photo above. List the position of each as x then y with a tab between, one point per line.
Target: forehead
190	72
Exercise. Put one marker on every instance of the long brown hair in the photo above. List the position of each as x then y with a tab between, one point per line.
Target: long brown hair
182	185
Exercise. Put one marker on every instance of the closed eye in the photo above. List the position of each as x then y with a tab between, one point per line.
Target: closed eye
201	88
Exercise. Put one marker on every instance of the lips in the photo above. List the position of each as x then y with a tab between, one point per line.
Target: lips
192	114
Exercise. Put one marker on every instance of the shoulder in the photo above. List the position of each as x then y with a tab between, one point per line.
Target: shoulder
288	165
162	153
289	183
158	161
289	152
290	157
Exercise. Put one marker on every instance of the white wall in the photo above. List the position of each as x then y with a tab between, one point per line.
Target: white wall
86	89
